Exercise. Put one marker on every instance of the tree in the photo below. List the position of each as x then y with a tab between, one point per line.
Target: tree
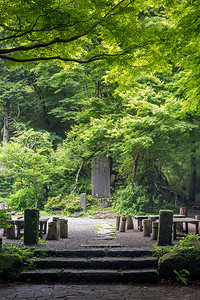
28	158
82	31
12	95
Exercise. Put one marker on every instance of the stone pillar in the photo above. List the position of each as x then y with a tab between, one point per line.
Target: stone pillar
122	225
152	219
52	233
56	219
129	222
117	223
165	228
154	230
83	201
2	205
10	232
147	227
31	226
101	177
63	228
198	218
183	211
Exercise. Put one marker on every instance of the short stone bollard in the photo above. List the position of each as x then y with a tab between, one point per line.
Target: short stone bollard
122	225
152	219
31	226
2	205
147	227
154	230
63	228
57	220
10	232
129	222
183	211
165	227
52	233
117	223
83	201
198	218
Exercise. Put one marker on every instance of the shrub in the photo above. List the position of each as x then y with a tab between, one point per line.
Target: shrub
68	204
4	218
23	198
131	200
54	203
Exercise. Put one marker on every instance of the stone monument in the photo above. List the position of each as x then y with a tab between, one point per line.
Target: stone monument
101	177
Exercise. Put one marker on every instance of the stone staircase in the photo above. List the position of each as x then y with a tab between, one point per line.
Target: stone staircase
92	265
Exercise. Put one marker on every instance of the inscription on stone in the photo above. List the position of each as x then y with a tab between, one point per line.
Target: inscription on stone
101	177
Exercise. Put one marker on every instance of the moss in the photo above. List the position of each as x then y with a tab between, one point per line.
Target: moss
10	266
169	262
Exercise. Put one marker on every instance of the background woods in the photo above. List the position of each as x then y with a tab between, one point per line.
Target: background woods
88	78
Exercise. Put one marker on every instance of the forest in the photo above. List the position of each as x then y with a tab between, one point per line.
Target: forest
80	79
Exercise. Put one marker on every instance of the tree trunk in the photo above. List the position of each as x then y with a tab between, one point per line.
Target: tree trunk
136	158
35	186
78	172
77	175
193	177
6	125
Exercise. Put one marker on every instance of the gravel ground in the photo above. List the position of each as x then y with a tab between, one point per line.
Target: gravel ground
87	231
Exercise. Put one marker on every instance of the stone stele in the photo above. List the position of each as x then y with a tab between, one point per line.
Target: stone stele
101	177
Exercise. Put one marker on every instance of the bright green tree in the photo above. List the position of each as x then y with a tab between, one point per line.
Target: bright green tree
28	158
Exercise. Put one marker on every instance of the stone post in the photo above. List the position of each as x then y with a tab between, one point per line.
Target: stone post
83	201
117	222
10	232
2	205
183	211
56	219
165	227
154	230
31	226
63	228
147	227
122	225
129	222
52	233
198	218
152	219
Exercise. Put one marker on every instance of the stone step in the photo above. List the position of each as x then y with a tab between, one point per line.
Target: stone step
90	276
95	263
101	245
95	252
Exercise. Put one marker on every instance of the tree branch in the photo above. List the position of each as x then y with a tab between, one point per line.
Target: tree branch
58	57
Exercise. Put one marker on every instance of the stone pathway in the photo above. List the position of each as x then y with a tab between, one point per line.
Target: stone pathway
103	292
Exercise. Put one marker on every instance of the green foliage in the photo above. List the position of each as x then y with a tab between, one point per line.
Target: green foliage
131	200
54	203
182	276
189	247
68	204
22	199
4	218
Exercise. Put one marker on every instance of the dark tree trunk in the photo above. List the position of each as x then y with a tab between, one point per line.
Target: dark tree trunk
35	186
193	177
136	158
6	129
